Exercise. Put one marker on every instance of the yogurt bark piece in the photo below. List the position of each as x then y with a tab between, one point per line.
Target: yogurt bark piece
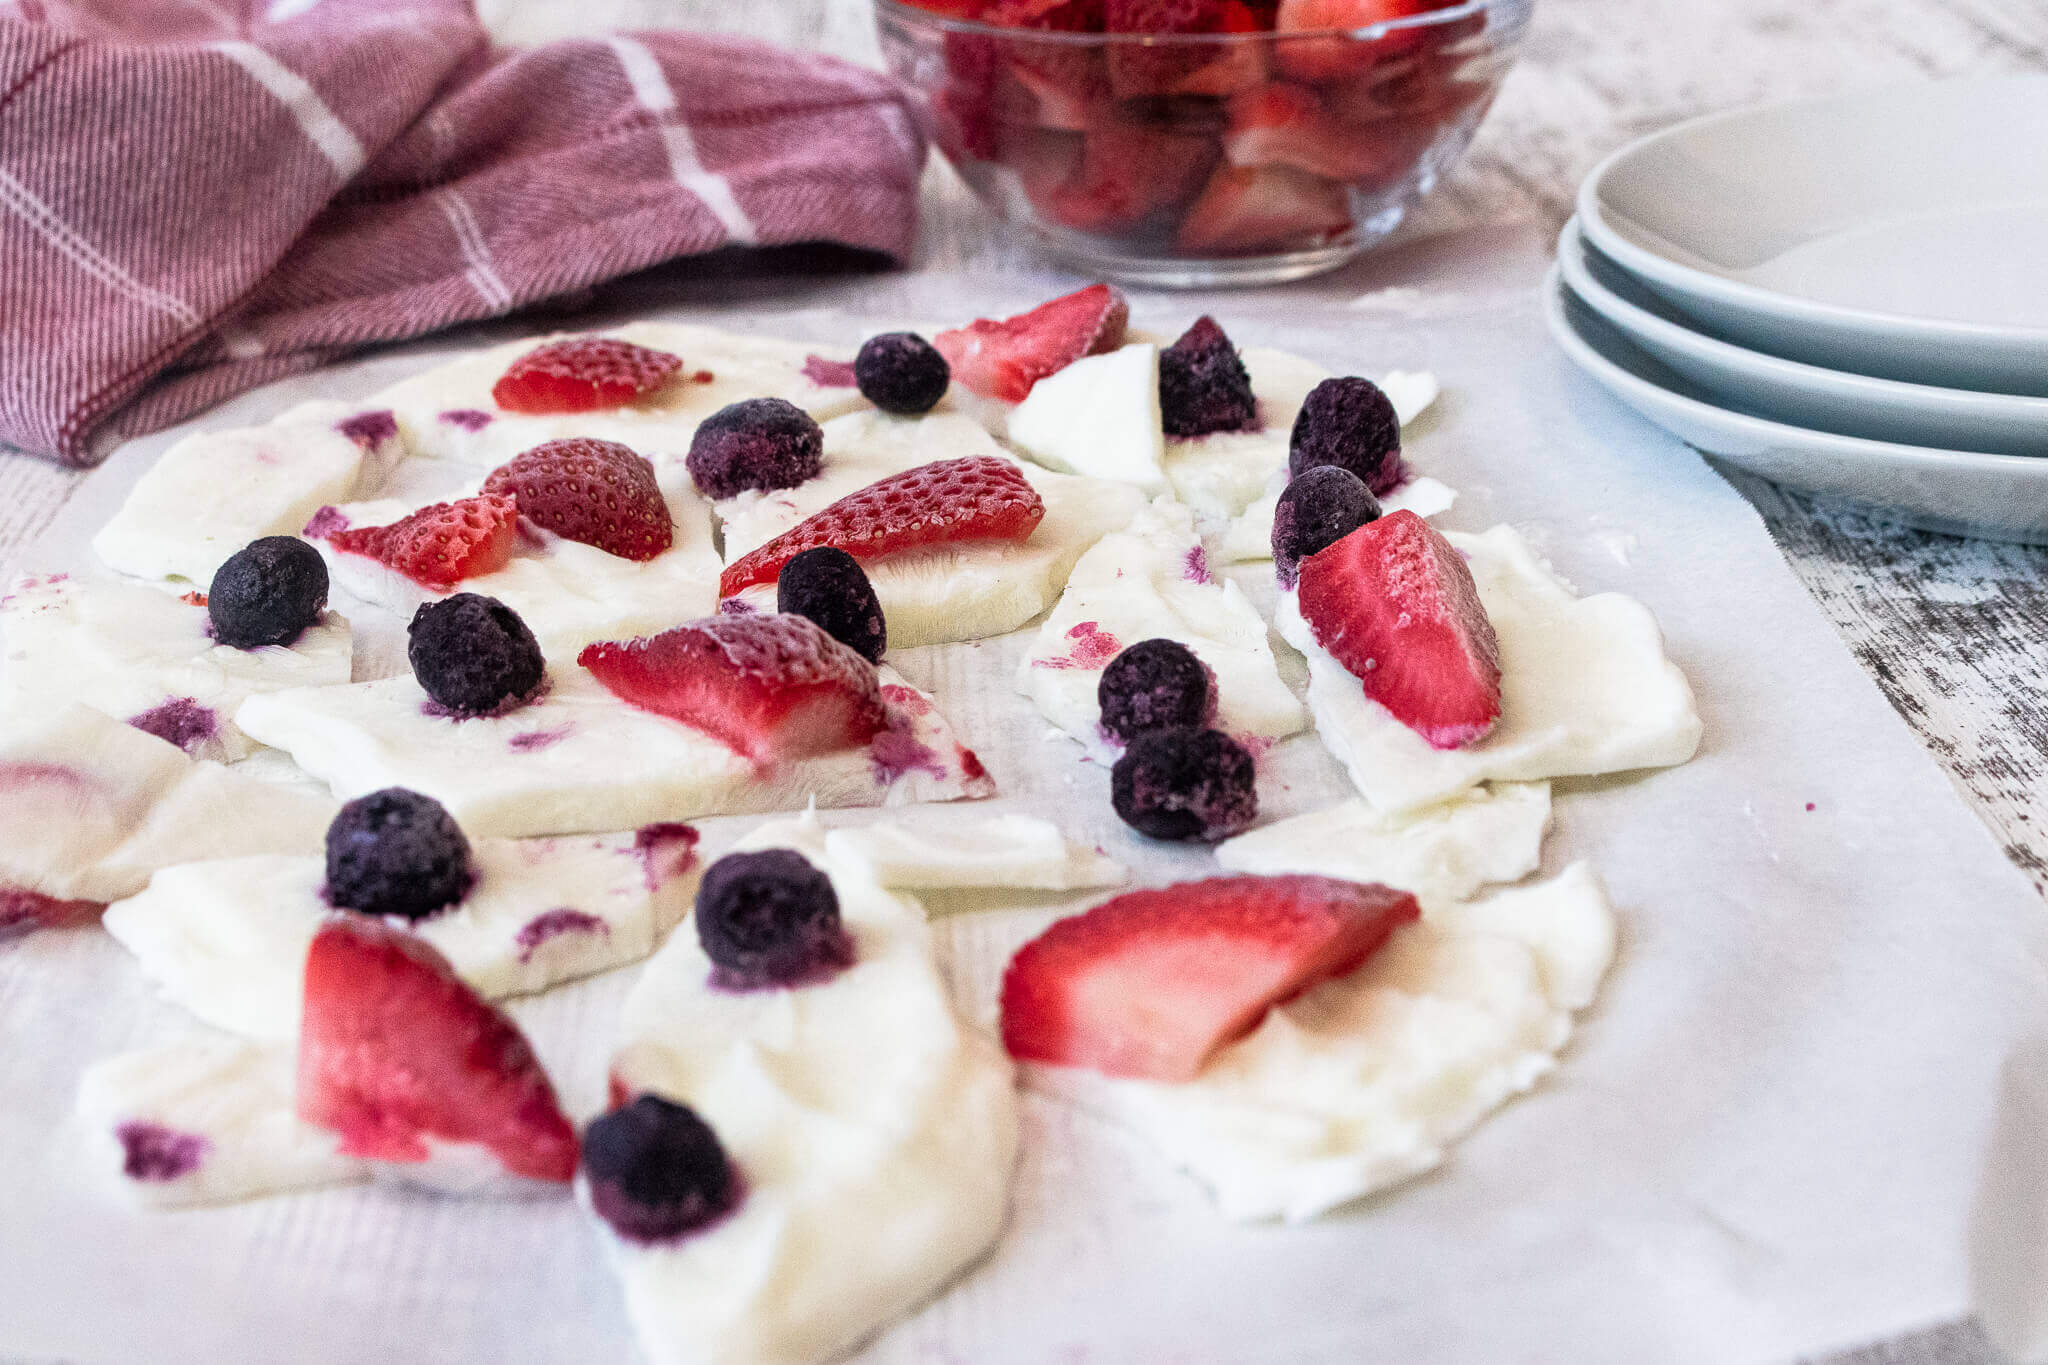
963	591
227	939
204	1120
1365	1080
579	760
448	412
92	807
1098	416
1586	688
1001	851
568	593
1151	581
214	492
149	658
857	1104
1444	852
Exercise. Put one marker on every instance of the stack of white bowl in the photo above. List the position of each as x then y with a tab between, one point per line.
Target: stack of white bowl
1847	296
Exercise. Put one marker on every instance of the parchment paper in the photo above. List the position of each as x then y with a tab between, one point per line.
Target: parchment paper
1770	1136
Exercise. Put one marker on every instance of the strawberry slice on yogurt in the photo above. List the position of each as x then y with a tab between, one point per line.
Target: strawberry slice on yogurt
582	374
1002	358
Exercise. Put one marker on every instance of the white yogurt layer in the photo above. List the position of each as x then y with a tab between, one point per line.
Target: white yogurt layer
227	939
1445	852
215	491
1001	851
204	1120
875	1134
1222	474
147	657
1585	688
1151	581
579	760
90	808
1100	417
1364	1081
568	593
965	591
449	413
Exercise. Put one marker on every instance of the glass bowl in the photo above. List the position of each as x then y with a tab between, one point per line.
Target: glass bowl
1204	159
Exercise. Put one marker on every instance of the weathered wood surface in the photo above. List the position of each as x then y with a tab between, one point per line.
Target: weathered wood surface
1955	632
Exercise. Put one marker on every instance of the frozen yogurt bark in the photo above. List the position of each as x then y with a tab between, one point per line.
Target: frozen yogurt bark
449	412
849	1105
567	592
1001	851
1151	580
579	760
146	657
92	807
227	938
1365	1080
1445	852
1586	688
215	491
962	591
204	1120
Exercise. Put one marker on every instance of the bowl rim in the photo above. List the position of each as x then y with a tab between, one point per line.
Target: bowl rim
1427	19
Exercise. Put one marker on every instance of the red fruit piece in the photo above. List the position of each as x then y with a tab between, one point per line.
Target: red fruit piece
22	910
1263	208
1394	602
443	543
1287	125
1151	983
397	1053
1313	59
1127	174
1170	68
981	497
1062	81
1003	358
582	374
593	492
769	686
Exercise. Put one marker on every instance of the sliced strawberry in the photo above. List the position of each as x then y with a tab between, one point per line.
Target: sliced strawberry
1313	59
1394	602
980	497
397	1053
593	492
1004	358
1062	81
1126	175
441	544
22	910
1287	125
1169	68
1152	983
770	686
582	374
1264	208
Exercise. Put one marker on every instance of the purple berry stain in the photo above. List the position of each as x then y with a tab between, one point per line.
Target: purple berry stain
468	419
535	740
553	924
829	374
325	523
1196	568
1093	648
896	753
369	429
665	850
154	1153
735	606
180	721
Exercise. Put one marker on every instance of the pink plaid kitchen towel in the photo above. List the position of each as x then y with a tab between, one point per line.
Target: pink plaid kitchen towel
197	196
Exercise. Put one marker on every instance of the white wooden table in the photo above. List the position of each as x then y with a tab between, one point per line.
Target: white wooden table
1955	632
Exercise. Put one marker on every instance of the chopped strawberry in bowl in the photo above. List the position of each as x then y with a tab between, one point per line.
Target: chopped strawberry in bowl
1196	142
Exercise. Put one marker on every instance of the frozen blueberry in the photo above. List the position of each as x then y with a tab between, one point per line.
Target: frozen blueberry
1351	424
770	919
1153	685
656	1170
1317	510
1184	784
829	586
1203	386
757	443
395	852
901	372
473	654
267	593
